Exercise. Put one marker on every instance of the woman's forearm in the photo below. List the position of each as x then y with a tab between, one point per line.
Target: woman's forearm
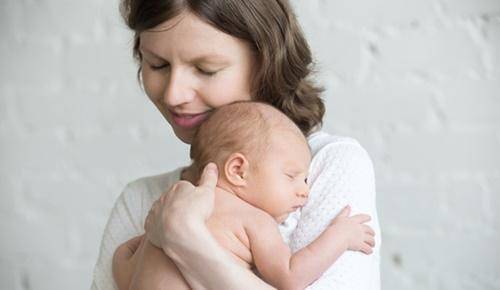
205	264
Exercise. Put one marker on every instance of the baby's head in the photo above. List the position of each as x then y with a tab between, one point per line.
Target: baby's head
262	156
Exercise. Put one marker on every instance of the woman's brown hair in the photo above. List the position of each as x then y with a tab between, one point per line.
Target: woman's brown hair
282	78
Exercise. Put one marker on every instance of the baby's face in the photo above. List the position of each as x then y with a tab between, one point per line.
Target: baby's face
279	184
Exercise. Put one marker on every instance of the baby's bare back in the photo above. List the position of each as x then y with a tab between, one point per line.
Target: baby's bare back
229	223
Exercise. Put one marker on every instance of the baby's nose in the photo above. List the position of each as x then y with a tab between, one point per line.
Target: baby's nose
303	194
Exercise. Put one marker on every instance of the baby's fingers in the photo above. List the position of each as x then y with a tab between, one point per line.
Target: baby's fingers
370	241
368	230
365	248
361	218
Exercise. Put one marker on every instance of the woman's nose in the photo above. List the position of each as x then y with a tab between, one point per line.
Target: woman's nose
179	89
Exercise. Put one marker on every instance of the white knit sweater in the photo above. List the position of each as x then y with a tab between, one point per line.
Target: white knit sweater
341	173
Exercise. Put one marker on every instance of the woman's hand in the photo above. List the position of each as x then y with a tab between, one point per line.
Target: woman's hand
176	223
183	204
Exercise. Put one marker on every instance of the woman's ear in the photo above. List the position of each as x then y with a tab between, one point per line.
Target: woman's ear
236	169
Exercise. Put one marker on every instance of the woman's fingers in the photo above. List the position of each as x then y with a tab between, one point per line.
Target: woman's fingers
182	203
152	210
164	196
209	176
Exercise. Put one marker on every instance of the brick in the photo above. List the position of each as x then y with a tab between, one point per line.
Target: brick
443	152
493	201
49	18
398	200
93	107
361	13
366	105
471	102
492	31
103	61
341	55
462	257
30	62
94	154
49	274
9	276
470	8
465	197
33	232
429	51
10	197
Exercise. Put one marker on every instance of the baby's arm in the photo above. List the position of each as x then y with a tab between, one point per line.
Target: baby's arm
283	270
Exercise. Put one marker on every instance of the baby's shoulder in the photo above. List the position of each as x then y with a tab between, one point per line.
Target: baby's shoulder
256	220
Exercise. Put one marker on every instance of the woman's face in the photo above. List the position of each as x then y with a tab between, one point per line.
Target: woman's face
190	68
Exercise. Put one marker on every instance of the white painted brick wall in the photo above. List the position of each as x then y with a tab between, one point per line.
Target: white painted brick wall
417	82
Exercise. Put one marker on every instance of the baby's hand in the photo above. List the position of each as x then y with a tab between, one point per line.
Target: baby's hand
352	229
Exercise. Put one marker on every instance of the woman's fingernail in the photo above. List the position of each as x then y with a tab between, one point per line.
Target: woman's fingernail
211	166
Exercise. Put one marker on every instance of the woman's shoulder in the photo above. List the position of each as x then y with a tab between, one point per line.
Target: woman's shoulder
320	140
337	151
151	187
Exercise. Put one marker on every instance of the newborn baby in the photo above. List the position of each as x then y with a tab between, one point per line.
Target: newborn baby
263	160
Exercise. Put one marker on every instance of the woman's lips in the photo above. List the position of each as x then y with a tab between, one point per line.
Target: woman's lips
189	121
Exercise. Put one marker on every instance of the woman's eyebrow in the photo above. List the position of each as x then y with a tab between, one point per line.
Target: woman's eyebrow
210	59
148	52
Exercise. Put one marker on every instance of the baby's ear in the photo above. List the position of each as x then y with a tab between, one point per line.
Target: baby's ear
236	169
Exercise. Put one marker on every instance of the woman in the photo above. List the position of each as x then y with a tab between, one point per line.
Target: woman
197	55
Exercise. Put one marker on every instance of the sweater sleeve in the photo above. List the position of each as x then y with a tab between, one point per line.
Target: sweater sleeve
341	174
123	224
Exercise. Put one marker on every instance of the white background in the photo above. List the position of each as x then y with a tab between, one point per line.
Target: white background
416	82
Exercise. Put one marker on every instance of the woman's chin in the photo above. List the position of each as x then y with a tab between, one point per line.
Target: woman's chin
184	136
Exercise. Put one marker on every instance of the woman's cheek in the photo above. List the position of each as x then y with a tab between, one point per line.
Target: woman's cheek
228	90
153	84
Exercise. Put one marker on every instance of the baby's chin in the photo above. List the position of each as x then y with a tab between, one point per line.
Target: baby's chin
280	219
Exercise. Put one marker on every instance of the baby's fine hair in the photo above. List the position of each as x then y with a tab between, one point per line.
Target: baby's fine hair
243	127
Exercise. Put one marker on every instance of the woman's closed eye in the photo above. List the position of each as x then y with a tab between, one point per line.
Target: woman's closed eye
158	66
205	72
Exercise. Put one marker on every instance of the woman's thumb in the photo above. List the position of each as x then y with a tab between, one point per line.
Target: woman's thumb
209	176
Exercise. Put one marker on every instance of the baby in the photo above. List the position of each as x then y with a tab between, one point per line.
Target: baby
263	160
